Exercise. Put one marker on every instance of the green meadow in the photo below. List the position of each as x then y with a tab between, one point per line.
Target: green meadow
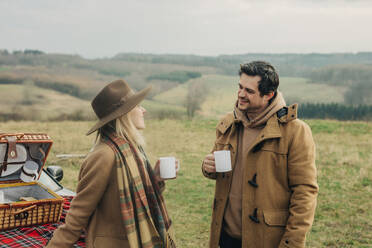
344	161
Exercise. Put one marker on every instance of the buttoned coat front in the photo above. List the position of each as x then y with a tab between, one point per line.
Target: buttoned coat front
279	182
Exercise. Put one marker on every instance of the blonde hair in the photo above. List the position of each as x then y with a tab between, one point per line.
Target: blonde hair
124	128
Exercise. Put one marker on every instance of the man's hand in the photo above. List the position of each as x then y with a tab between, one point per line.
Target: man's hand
209	165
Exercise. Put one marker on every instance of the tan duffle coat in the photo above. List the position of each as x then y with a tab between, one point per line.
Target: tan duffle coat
279	183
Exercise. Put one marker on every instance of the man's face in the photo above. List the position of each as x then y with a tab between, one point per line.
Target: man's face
249	98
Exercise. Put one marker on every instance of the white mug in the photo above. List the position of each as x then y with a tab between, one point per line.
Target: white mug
29	171
168	167
222	160
2	197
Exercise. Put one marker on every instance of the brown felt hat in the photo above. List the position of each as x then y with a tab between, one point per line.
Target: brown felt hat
114	100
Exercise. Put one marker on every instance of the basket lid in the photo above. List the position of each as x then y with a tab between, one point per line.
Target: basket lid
17	149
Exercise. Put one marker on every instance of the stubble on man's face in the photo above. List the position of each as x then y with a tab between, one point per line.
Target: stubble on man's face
249	98
243	104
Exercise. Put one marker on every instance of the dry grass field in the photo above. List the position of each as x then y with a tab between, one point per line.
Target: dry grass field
344	161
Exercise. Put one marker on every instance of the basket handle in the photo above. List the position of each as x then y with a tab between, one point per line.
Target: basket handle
24	210
18	135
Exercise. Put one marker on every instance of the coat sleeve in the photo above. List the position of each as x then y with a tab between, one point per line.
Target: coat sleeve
206	174
93	180
303	185
223	125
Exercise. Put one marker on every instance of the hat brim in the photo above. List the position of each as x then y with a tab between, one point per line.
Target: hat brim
132	101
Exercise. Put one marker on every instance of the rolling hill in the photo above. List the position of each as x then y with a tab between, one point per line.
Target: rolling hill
34	103
222	89
50	86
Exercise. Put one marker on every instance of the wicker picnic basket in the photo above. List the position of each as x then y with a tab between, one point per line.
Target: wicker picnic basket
25	203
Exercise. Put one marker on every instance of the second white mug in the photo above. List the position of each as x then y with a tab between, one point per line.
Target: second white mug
168	168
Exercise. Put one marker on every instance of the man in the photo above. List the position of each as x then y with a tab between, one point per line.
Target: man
269	197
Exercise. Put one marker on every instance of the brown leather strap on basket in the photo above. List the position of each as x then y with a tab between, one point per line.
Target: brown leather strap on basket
3	167
24	210
23	213
4	164
12	149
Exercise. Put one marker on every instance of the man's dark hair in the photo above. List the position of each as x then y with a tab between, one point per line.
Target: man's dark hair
269	77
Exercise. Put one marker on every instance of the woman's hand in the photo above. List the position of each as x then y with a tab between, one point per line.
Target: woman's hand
177	166
157	171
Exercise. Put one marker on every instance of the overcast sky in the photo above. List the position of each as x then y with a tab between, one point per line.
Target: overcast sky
103	28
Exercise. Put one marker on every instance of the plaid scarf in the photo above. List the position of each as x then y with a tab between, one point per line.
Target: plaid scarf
143	209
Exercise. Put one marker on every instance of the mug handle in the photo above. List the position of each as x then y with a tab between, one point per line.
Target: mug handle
178	165
35	176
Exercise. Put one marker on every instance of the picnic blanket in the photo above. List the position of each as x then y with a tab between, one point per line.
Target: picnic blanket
36	236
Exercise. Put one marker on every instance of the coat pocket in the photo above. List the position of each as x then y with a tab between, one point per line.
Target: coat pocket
112	242
274	227
276	217
274	146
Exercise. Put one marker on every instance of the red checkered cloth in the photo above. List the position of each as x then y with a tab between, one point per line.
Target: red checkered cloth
35	236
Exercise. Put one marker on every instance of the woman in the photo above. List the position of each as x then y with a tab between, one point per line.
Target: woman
118	200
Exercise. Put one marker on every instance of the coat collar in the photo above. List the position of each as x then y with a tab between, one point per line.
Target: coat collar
226	122
272	128
291	114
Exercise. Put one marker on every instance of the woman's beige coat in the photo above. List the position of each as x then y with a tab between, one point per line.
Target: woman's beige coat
96	206
283	158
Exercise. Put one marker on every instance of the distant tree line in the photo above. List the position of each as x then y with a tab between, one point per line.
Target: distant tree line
358	79
341	75
66	88
334	111
113	72
291	65
17	52
176	76
37	58
11	80
36	115
359	93
101	66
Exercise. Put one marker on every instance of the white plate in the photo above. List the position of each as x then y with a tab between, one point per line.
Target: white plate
11	168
